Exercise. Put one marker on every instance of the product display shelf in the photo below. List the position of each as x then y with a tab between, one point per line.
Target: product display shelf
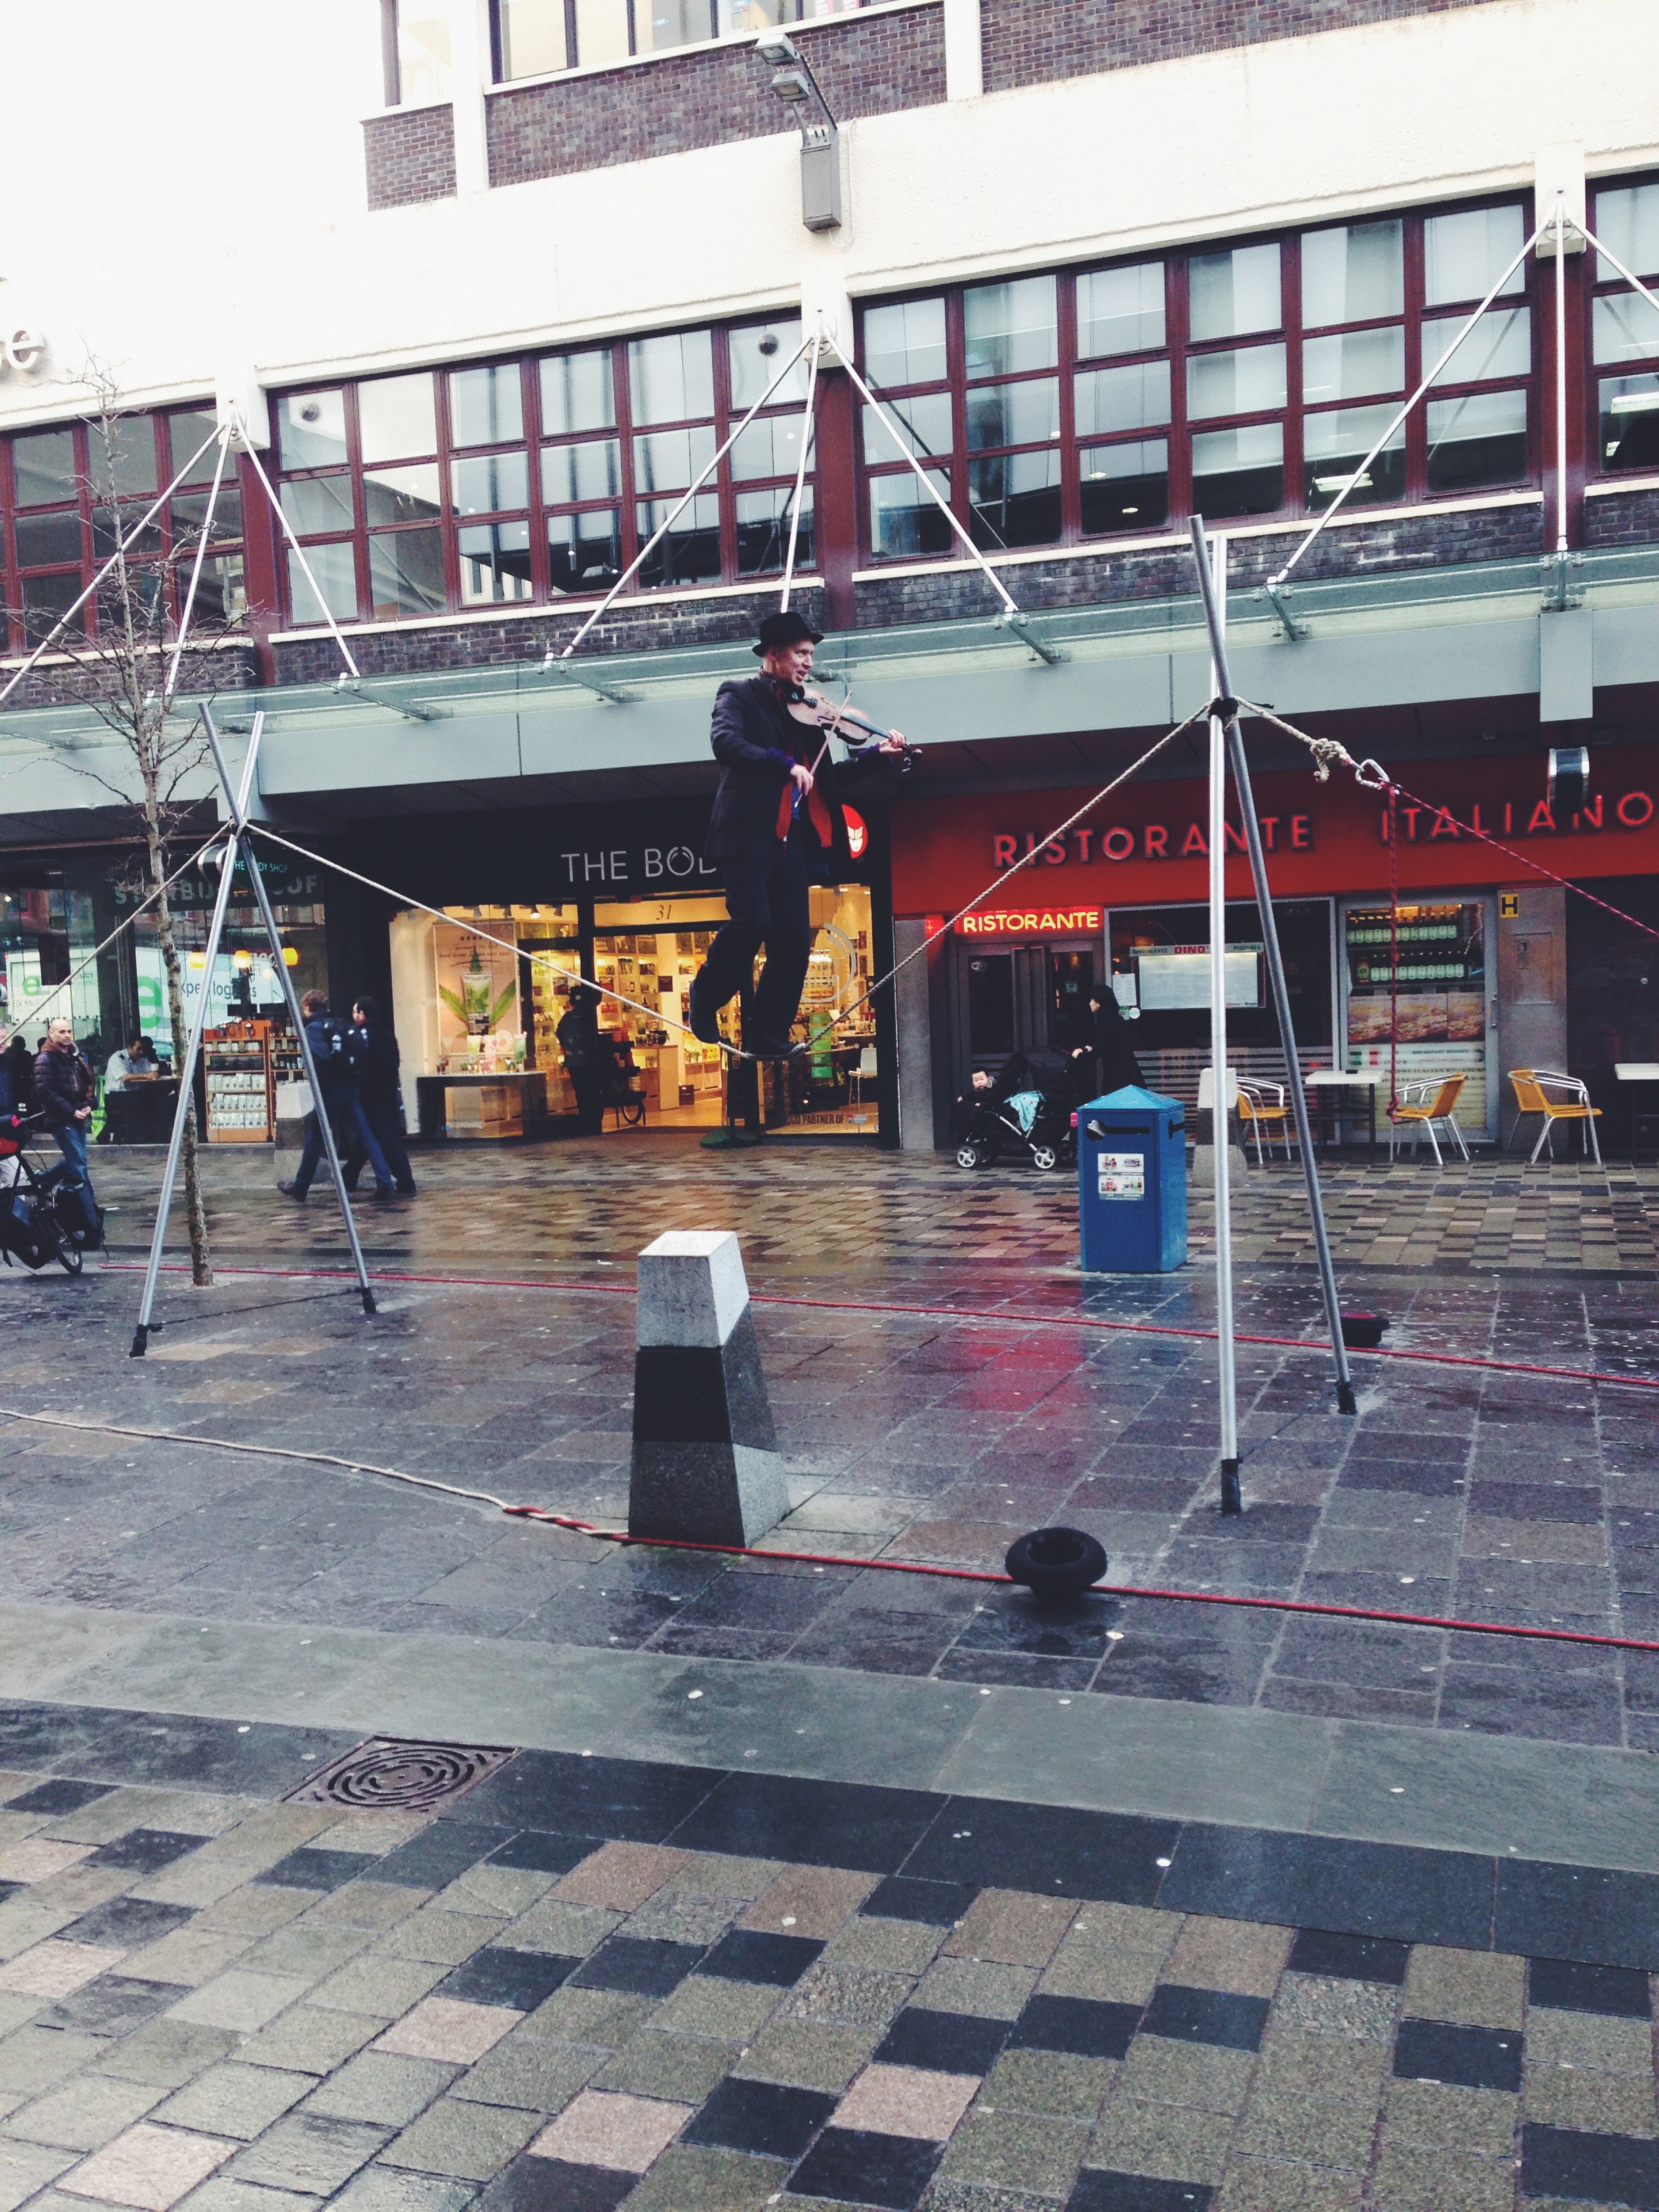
241	1102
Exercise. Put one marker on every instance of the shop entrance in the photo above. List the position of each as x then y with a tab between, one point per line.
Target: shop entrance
468	1010
1021	998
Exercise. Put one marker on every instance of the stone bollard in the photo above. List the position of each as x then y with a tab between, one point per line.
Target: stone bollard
706	1467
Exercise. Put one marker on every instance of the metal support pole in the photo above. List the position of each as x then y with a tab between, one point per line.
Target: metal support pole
185	1105
327	1133
1221	1102
238	798
1344	1397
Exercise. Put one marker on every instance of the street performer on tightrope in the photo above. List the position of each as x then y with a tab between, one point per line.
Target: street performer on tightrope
777	829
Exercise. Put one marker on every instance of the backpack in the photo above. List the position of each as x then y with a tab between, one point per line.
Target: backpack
21	1233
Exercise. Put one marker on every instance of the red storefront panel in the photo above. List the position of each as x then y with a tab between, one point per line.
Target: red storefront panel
1145	845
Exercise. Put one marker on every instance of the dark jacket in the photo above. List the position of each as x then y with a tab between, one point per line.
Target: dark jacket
1118	1064
19	1063
373	1059
756	742
63	1084
327	1039
575	1034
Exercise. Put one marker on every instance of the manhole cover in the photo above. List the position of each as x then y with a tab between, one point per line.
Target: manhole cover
389	1774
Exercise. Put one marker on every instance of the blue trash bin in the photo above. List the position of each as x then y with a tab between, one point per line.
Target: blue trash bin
1131	1182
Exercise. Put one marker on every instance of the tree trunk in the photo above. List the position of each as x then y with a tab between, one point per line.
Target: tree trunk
201	1264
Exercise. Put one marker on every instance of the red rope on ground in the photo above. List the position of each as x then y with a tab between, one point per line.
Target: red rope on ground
1394	958
1099	1589
962	1313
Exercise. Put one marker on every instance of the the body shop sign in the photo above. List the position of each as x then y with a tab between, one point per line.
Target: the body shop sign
1148	841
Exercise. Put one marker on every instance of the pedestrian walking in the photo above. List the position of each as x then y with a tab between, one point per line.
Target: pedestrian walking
337	1081
371	1050
579	1040
20	1070
64	1088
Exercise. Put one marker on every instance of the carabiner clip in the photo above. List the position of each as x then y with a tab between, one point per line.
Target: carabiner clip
1370	775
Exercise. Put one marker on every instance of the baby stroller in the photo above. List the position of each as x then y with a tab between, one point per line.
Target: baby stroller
1032	1107
44	1213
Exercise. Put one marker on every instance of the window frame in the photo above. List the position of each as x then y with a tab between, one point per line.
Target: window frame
1592	288
804	11
1180	349
169	554
535	440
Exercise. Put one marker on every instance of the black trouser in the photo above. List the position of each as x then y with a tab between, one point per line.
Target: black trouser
767	896
384	1124
590	1097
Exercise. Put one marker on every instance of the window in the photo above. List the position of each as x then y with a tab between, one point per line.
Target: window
70	493
1238	382
415	50
1625	332
516	482
536	38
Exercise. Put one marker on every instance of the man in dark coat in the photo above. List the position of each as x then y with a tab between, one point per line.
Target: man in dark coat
579	1040
1112	1052
371	1050
336	1080
776	830
64	1090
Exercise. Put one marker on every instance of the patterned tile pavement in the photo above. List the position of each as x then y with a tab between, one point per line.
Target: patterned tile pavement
588	1986
509	1209
1475	1495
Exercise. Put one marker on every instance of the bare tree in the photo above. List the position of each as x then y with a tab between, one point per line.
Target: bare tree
128	668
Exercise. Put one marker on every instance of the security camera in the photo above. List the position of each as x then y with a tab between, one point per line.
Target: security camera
777	47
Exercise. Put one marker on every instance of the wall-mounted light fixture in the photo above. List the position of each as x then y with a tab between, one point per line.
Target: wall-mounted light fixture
820	139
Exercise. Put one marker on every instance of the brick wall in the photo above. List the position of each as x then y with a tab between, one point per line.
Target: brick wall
1035	42
711	95
1626	518
1417	541
229	667
411	157
634	625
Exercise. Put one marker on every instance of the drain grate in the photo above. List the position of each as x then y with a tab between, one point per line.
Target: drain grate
390	1774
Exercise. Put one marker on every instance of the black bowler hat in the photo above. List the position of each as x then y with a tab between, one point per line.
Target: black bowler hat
779	630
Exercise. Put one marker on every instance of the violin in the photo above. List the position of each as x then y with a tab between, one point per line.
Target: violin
817	712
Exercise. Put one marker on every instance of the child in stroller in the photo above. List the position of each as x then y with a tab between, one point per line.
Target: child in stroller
1031	1103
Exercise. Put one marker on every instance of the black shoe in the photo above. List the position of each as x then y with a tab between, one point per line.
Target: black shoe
406	1190
385	1190
776	1048
292	1190
701	1018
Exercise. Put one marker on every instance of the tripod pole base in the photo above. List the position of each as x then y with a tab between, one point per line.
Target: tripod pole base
140	1342
1345	1402
1232	1500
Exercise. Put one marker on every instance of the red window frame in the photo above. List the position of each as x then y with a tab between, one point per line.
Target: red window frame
1179	350
539	510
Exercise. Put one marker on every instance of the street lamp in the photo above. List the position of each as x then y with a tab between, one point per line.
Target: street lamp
820	140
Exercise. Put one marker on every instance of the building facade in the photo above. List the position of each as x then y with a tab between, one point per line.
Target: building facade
493	281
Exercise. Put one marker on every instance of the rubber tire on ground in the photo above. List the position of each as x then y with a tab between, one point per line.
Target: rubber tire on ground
69	1253
1045	1159
1056	1562
967	1155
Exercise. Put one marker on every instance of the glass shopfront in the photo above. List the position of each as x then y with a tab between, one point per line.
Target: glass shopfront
1419	999
469	1006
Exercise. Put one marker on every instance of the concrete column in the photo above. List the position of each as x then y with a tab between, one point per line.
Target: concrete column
965	67
1532	992
706	1465
914	1026
470	73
